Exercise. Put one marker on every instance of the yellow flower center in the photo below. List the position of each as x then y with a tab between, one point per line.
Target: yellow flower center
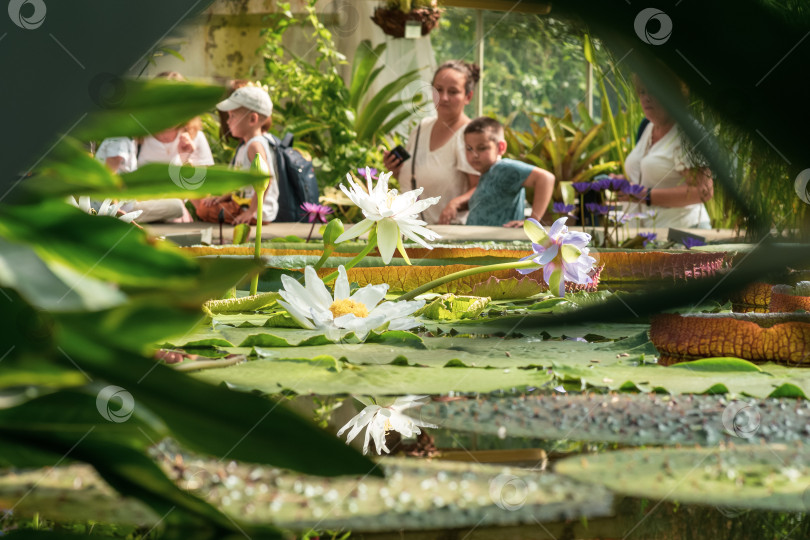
346	306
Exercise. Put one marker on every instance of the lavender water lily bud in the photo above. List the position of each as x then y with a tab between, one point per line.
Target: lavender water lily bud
563	255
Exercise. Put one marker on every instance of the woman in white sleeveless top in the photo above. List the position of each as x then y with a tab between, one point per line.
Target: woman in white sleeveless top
438	162
676	190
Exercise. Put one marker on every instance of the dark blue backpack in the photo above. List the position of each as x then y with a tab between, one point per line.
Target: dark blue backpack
296	179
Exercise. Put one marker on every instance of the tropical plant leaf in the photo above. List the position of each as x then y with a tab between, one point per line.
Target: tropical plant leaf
145	107
363	72
53	286
97	246
214	419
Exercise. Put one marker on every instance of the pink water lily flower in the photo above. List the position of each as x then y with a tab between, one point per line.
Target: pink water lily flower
316	211
561	254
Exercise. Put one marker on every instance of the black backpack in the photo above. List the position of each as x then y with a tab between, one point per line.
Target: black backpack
296	179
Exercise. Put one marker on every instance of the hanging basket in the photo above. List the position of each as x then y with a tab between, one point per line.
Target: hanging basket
392	21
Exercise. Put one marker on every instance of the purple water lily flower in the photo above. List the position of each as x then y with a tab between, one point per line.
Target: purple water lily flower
561	254
361	171
316	211
601	184
689	242
582	187
618	184
562	208
596	208
634	190
648	237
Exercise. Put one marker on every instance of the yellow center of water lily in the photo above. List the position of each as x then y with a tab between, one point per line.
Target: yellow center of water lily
346	306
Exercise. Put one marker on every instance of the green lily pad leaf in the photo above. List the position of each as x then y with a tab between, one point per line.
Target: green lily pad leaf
243	304
396	337
504	289
495	497
207	343
651	377
55	496
718	364
269	376
547	305
265	340
449	307
629	419
310	338
455	362
323	360
788	390
772	477
281	319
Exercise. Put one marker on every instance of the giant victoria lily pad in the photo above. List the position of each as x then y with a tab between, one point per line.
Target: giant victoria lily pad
764	477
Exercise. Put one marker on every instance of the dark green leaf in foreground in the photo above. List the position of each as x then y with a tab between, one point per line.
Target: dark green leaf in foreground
147	107
71	171
97	246
218	421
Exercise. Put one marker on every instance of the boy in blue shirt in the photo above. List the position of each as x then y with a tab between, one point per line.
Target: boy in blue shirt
499	197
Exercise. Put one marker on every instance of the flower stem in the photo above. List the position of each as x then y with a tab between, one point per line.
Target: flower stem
310	232
464	273
257	250
372	243
327	251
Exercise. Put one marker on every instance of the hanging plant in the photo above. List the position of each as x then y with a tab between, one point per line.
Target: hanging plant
394	16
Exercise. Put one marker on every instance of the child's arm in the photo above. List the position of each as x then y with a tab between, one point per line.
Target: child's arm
542	182
458	203
249	214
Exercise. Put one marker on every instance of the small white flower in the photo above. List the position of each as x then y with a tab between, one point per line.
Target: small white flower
379	420
313	306
107	208
394	214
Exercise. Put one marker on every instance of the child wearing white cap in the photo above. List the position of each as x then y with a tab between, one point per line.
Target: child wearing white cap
248	109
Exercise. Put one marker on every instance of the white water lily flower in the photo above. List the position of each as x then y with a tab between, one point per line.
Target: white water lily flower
107	208
313	306
380	420
393	213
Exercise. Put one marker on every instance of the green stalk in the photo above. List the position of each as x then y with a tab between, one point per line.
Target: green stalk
327	251
259	166
464	273
372	243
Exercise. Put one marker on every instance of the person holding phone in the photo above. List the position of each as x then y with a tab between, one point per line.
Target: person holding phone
435	158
